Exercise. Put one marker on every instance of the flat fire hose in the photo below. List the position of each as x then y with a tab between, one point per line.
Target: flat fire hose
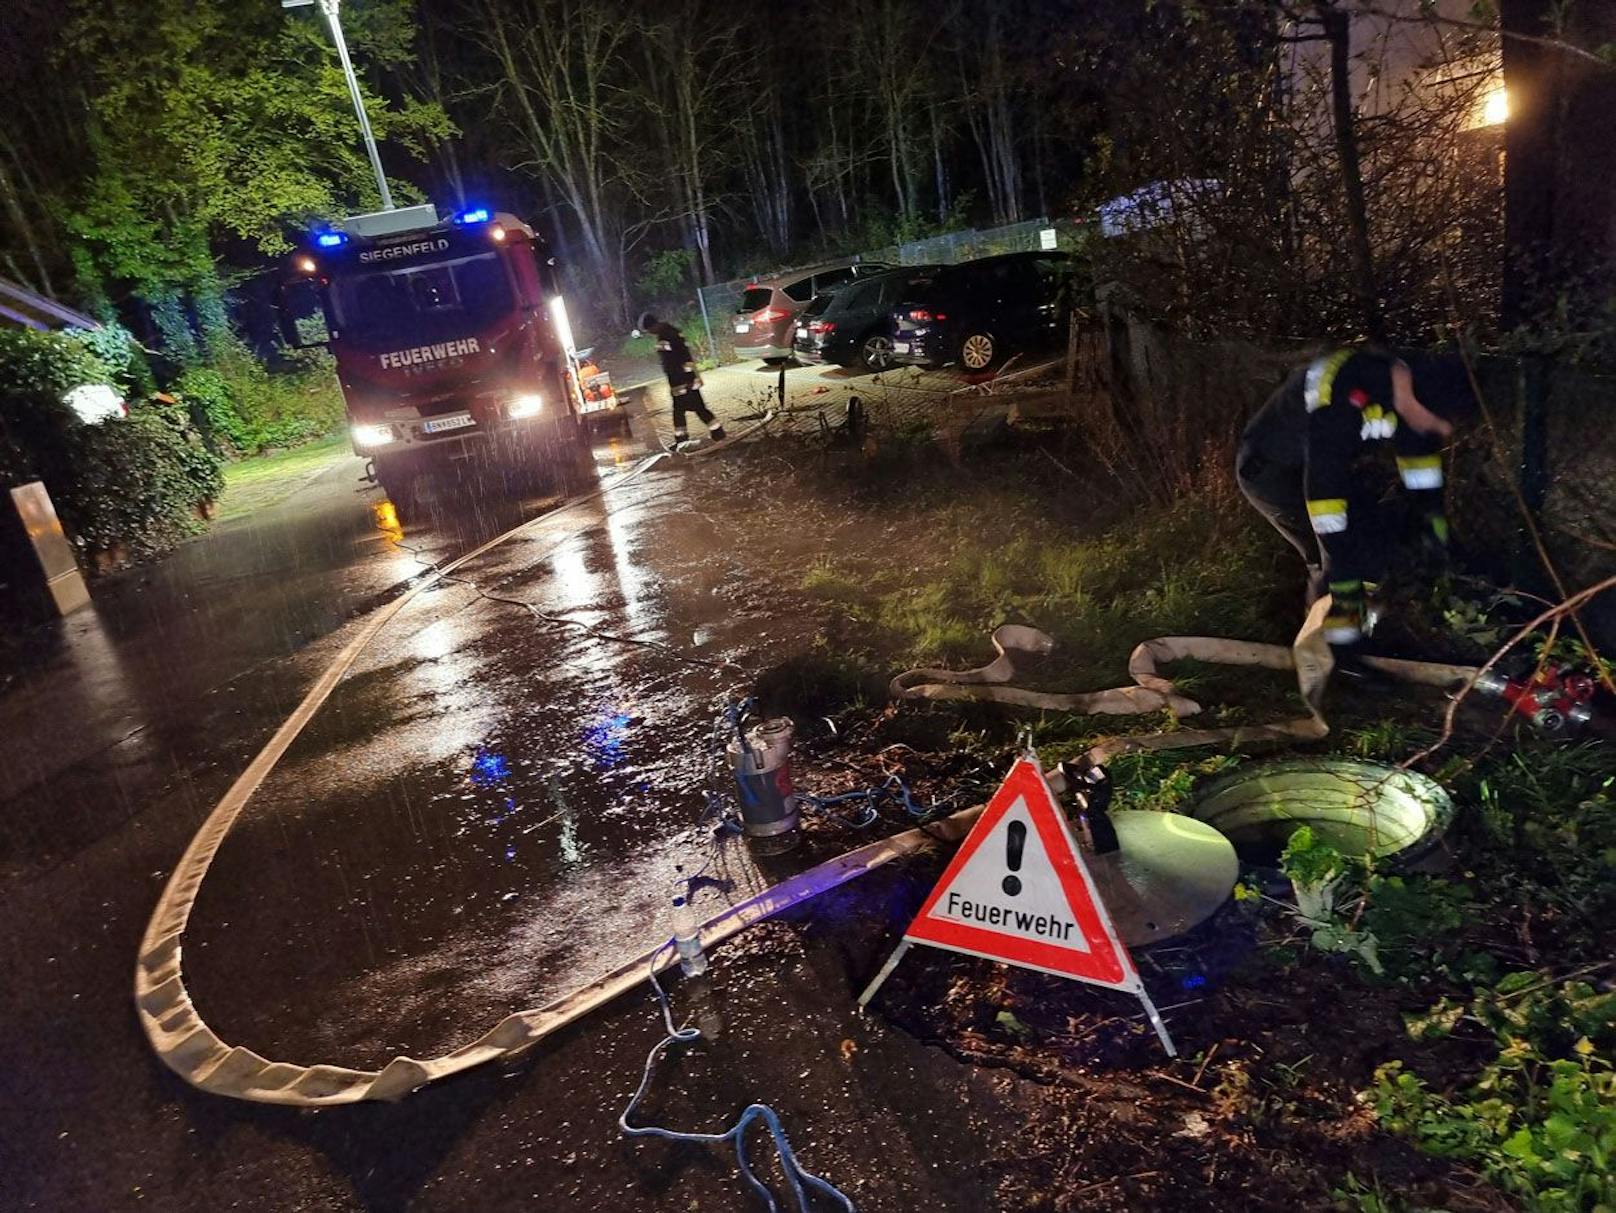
184	1041
1309	655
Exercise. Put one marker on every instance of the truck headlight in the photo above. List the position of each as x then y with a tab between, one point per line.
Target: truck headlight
526	405
372	435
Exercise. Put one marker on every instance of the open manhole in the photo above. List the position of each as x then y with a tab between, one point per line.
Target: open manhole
1363	809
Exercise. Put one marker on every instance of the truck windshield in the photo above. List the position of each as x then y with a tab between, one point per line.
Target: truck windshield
422	302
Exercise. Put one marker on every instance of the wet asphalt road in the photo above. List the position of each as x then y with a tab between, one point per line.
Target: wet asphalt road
491	809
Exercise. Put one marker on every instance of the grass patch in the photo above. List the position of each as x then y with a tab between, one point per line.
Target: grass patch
824	580
1198	567
254	484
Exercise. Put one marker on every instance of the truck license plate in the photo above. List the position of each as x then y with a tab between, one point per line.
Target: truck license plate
454	421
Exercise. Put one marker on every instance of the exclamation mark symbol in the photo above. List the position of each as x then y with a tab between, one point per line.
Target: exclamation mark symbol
1015	841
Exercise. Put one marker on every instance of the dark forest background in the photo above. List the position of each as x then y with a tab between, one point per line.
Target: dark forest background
158	154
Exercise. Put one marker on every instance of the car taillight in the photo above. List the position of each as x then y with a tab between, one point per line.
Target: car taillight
924	315
821	326
768	315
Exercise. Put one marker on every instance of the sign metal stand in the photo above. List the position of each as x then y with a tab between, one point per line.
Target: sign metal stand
1017	891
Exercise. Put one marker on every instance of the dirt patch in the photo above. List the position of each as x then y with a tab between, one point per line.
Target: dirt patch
1061	1098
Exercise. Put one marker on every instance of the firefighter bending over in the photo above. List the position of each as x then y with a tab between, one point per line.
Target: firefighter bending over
1299	465
679	365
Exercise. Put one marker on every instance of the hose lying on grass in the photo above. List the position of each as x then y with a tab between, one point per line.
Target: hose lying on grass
1309	655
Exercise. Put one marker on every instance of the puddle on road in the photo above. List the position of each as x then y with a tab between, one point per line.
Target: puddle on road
482	816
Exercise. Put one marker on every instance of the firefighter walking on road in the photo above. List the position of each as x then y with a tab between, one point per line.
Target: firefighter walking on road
679	365
1301	466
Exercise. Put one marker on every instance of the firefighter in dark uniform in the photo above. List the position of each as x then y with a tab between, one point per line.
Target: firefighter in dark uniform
1300	466
679	365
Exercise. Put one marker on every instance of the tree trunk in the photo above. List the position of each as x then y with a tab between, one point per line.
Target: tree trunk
1559	159
18	209
1338	29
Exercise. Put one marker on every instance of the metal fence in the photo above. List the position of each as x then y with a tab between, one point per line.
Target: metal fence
718	302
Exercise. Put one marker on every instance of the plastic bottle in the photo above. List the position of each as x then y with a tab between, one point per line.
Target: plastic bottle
687	939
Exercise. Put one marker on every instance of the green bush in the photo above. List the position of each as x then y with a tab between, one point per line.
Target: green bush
138	485
118	350
36	371
248	409
1540	1119
666	274
690	324
132	486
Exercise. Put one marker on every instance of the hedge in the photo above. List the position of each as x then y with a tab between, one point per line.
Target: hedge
123	487
248	410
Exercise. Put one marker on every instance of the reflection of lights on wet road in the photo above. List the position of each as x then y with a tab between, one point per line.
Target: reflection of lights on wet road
577	585
385	515
571	853
489	767
603	739
614	447
632	580
435	641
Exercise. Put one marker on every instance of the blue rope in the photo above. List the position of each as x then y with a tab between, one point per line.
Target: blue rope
893	789
735	1135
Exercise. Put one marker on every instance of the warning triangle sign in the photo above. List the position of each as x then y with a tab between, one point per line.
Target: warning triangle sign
1018	891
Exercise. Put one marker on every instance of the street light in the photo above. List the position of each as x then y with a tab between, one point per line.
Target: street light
329	8
1495	109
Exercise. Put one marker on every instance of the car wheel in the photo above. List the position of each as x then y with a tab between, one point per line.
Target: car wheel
876	352
978	351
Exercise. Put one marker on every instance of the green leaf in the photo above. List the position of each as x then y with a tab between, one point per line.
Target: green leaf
1512	983
1008	1021
1436	1023
1519	1144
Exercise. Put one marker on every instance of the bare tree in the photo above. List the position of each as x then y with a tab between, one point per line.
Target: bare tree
892	42
766	161
985	84
1561	163
557	63
692	56
1337	26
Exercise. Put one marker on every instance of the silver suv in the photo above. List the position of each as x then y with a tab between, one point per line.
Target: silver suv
767	313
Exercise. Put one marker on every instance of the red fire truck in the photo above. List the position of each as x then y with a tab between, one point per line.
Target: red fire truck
452	346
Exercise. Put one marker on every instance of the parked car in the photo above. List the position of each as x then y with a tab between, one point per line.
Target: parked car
979	312
852	326
766	316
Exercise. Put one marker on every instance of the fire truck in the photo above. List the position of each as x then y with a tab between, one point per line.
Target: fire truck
452	346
